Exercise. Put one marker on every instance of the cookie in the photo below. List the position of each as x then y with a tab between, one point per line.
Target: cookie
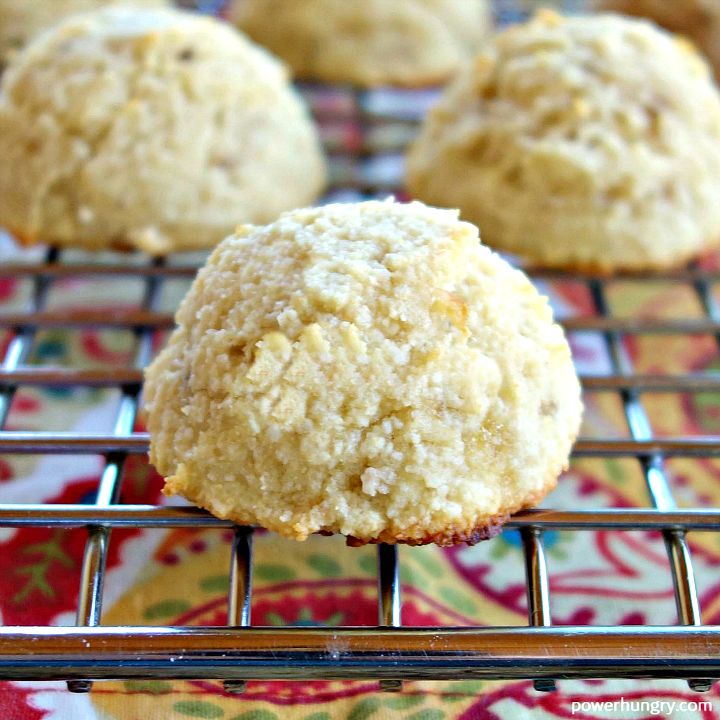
366	369
21	21
699	20
374	42
585	143
150	129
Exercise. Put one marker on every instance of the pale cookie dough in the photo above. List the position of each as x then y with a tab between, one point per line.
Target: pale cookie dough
589	143
373	42
155	129
697	19
22	20
371	370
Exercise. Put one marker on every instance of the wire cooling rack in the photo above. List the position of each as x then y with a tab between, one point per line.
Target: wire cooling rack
388	652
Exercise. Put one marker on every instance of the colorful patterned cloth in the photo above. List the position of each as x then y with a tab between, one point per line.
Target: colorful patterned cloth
180	577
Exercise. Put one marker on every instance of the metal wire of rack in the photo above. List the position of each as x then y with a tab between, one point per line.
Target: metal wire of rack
389	652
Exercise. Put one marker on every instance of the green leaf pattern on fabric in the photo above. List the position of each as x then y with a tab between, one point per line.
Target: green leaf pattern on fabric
198	709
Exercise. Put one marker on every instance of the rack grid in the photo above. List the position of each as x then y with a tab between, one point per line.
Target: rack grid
389	652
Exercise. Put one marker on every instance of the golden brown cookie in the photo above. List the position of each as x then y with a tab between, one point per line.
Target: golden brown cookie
373	42
371	370
155	129
591	142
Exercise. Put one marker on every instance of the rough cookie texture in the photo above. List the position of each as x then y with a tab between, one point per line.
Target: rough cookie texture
367	369
21	20
591	142
156	129
697	19
373	42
